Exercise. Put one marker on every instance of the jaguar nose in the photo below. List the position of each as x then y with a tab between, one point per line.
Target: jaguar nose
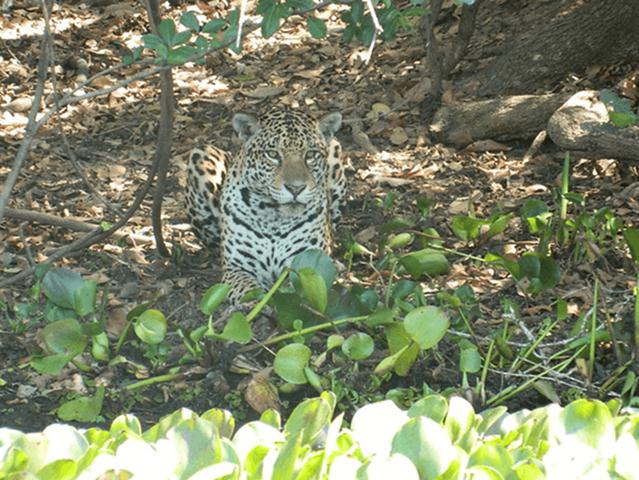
295	188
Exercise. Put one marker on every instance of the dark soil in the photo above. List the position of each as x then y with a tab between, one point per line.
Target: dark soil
114	140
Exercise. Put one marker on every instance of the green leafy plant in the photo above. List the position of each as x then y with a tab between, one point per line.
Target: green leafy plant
619	110
434	438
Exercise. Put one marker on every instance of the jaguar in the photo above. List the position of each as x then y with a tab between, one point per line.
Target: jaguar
280	195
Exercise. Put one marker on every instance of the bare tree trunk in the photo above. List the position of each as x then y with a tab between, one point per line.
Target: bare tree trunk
580	34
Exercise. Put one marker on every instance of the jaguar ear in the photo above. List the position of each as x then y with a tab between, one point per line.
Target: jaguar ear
329	124
245	125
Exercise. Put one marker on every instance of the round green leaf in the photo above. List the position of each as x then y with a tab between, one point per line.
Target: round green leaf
425	262
314	288
67	289
590	422
213	297
150	327
426	444
237	329
358	346
290	362
318	261
469	360
426	326
64	337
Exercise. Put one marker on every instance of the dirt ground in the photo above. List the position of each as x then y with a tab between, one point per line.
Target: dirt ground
113	139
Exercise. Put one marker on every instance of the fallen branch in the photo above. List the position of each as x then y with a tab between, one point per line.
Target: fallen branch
581	126
508	118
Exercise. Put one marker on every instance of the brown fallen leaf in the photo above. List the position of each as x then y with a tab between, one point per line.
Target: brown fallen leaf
260	393
486	146
398	136
264	92
21	104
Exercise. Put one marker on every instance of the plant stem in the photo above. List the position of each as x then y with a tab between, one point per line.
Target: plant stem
260	305
593	329
153	380
304	331
563	200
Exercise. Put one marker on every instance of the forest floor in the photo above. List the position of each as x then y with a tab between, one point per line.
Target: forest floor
114	140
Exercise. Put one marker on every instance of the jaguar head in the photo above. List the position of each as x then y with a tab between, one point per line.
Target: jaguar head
286	152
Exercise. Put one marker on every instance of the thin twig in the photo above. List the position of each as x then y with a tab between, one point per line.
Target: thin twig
65	141
165	136
240	23
32	125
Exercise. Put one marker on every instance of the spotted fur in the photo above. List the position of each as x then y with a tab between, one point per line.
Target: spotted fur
280	195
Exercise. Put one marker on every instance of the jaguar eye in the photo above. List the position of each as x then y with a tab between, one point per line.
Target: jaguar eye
273	155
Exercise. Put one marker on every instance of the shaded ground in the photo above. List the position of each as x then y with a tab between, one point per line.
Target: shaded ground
114	141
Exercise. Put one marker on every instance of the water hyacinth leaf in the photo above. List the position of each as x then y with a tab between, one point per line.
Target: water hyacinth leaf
255	435
126	423
290	362
406	359
314	380
400	240
489	418
51	364
494	456
383	316
100	347
536	214
426	444
425	262
69	443
375	436
271	417
237	329
466	228
358	346
434	407
388	363
287	458
459	419
469	359
150	326
393	466
67	289
590	422
309	418
60	470
403	289
223	421
498	224
334	341
64	337
318	261
426	325
314	288
83	409
631	235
